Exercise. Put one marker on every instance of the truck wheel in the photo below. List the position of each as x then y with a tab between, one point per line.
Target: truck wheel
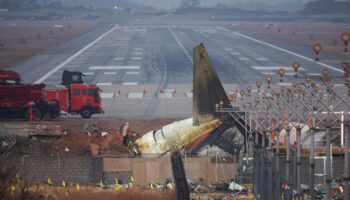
35	112
85	113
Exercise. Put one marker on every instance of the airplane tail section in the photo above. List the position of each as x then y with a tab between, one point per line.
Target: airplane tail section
207	88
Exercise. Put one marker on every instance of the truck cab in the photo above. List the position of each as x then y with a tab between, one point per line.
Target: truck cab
85	100
9	78
77	97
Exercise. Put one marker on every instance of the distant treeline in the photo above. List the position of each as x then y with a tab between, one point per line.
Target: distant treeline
28	4
326	7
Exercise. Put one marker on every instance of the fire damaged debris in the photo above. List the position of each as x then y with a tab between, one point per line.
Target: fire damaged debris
90	128
7	141
182	190
36	130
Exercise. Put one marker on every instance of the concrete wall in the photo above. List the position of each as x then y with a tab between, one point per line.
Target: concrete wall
144	170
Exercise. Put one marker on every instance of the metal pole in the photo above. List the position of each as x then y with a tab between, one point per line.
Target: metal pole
277	192
346	177
312	163
328	163
288	156
298	129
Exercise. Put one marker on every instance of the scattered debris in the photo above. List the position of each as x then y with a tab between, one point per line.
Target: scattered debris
90	129
235	187
104	134
28	131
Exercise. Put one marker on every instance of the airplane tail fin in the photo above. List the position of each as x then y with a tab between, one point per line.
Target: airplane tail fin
207	88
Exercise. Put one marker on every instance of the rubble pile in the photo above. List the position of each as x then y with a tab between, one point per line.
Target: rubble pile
77	137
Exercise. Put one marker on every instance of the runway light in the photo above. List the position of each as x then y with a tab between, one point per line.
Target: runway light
325	72
242	94
258	84
345	37
317	48
281	72
249	89
296	66
268	79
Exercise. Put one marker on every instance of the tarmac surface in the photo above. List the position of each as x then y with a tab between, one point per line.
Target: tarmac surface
143	64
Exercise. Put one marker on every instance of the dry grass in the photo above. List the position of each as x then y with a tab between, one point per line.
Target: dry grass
92	193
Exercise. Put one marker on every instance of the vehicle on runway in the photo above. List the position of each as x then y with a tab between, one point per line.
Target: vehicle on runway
77	97
16	98
213	128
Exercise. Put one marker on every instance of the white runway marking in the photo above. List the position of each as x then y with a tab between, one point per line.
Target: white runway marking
113	67
47	75
118	58
284	84
339	85
243	58
138	53
129	83
181	46
284	50
88	73
138	49
268	73
275	68
132	73
110	73
235	53
135	95
289	73
104	84
227	49
136	58
107	95
262	59
313	74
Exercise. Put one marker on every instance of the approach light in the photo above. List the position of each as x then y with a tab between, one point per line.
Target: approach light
296	66
268	79
258	84
281	72
317	48
345	37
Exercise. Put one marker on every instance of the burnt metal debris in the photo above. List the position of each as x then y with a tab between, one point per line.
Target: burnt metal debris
182	190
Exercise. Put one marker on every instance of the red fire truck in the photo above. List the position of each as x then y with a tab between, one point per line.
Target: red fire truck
17	98
75	98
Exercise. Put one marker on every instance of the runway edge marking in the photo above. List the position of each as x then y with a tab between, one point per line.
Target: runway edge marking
181	46
281	49
47	75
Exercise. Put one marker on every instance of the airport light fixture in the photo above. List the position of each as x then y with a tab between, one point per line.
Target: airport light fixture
268	79
345	37
296	66
317	48
249	89
258	84
281	72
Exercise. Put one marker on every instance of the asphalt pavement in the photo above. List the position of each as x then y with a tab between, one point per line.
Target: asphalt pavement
145	69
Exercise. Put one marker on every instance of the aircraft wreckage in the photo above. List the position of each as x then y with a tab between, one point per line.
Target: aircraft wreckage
212	128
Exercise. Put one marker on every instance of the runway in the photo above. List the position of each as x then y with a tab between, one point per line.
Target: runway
145	70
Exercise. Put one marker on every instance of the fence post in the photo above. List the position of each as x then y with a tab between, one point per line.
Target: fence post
30	115
328	163
346	177
287	156
298	129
